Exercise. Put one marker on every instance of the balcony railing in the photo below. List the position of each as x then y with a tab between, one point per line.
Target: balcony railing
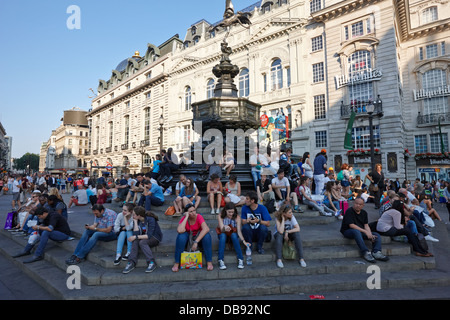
145	143
124	146
360	107
433	118
109	149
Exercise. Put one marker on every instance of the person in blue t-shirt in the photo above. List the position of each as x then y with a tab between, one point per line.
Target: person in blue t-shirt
155	171
152	196
320	168
255	221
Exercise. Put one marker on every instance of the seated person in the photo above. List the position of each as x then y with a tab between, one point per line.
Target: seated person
79	198
50	226
152	195
282	188
214	190
233	191
101	230
187	195
193	223
255	222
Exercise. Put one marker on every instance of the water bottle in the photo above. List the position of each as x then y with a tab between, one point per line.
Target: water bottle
248	253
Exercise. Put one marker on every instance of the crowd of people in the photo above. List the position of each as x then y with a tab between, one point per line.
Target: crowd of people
280	187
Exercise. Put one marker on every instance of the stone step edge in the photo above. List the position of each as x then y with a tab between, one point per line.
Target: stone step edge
95	275
47	276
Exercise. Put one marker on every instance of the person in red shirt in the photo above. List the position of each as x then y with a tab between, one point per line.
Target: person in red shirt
193	223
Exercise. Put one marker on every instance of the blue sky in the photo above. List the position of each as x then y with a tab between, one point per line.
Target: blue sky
48	68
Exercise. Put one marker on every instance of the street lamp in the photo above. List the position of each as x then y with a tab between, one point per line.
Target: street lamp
379	112
161	129
370	109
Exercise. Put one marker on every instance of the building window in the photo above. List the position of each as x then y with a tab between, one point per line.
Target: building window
321	139
149	95
315	5
196	39
147	160
429	15
210	88
358	29
420	143
265	82
147	119
128	86
149	75
193	30
276	75
97	137
317	43
318	73
187	99
319	107
358	63
244	83
266	7
126	139
111	131
433	80
186	135
361	137
431	51
435	142
288	76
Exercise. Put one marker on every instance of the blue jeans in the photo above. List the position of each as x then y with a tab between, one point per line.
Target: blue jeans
257	235
256	175
359	237
89	240
45	235
148	201
124	235
182	240
235	240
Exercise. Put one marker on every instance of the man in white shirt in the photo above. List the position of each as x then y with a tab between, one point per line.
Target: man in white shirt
79	197
282	188
16	186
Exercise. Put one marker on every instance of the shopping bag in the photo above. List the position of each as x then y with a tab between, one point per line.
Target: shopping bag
9	220
170	211
343	206
191	260
289	252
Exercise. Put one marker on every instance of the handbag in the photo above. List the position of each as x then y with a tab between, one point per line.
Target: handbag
289	252
422	242
191	260
228	233
170	211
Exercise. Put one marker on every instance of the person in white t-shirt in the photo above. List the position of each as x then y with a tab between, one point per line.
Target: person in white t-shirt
16	187
79	197
287	229
282	188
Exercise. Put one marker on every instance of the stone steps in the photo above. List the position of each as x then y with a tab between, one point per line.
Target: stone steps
264	279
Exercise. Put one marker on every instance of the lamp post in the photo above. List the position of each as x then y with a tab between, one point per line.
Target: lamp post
376	105
370	109
161	129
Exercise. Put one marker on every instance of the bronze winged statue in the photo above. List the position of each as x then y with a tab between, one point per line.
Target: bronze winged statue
230	19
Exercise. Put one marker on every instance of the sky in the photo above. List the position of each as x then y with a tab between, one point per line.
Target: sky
48	66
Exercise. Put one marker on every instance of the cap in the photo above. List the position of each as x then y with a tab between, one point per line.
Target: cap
323	151
330	169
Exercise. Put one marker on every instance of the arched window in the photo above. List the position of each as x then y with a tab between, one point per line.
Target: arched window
210	88
276	75
244	83
433	80
359	93
429	15
187	98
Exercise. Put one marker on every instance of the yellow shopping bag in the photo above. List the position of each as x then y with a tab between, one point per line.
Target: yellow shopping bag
191	260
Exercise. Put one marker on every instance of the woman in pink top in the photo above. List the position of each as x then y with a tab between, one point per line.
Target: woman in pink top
193	224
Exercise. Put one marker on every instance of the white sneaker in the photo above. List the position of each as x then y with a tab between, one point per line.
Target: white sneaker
222	265
280	264
240	264
302	263
430	238
213	211
217	210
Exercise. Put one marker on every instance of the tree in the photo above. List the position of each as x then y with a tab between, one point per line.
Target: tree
30	159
